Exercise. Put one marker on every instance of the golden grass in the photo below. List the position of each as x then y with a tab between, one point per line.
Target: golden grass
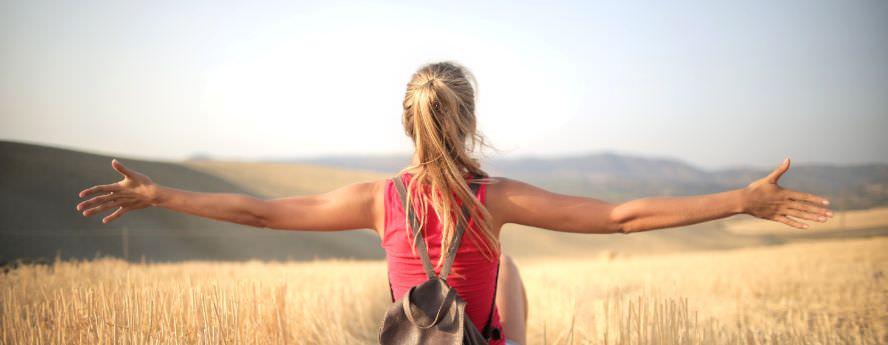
811	293
842	221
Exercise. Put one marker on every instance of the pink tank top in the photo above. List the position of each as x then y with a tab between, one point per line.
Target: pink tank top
472	275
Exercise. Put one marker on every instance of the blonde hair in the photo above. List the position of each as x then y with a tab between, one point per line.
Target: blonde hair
439	116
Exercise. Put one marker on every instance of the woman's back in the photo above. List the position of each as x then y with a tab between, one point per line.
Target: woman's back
473	275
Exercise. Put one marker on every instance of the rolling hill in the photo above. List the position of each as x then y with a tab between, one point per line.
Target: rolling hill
39	185
38	192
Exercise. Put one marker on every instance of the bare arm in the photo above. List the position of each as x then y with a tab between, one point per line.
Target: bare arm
346	208
521	203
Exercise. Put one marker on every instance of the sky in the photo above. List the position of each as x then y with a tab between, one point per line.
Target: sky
714	83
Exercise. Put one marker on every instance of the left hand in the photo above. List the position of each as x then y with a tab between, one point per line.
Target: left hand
767	200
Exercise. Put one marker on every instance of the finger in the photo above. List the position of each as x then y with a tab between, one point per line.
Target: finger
791	222
120	168
119	212
777	173
105	188
803	206
814	199
95	201
805	215
101	208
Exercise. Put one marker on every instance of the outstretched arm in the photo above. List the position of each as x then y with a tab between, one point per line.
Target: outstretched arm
525	204
346	208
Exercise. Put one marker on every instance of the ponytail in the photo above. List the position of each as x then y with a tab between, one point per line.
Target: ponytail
439	116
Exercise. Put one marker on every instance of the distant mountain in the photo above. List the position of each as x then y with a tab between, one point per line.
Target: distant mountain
388	164
617	177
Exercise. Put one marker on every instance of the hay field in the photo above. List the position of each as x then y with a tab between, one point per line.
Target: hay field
832	292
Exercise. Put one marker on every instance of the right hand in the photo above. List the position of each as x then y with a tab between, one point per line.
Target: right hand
135	191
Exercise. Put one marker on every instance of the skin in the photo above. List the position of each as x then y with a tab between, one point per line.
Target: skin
360	206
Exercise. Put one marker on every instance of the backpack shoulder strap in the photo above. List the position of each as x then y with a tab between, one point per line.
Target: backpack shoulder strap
414	223
460	230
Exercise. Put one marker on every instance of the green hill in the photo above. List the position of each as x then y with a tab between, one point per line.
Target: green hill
39	186
38	193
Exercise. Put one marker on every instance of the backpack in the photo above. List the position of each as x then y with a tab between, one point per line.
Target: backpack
432	312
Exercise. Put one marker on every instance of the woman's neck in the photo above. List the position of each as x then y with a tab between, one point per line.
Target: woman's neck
414	162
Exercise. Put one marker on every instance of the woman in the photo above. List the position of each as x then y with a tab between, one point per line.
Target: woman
439	116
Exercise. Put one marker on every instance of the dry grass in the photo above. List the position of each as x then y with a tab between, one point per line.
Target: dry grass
814	293
820	293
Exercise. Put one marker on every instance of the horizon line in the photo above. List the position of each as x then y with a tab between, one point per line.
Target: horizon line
514	157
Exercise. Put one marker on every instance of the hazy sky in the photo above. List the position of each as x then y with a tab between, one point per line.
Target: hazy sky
710	82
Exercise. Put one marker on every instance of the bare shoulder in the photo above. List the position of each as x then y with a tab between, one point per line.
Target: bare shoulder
359	193
364	187
500	199
514	201
501	189
376	190
362	198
